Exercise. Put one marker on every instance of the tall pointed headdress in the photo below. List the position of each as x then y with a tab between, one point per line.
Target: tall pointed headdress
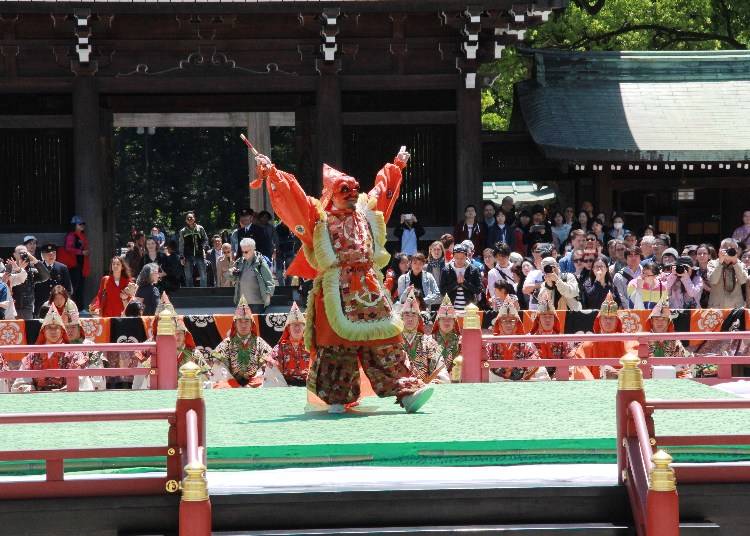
295	315
243	311
411	304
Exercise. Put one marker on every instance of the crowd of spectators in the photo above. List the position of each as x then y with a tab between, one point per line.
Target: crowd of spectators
578	257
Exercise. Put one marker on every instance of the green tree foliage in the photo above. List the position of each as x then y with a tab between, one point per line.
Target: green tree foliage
159	177
619	25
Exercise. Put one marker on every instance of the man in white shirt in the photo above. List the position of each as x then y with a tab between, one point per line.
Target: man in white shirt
562	287
502	269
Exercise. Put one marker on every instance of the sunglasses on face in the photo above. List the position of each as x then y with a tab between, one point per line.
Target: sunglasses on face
578	260
588	261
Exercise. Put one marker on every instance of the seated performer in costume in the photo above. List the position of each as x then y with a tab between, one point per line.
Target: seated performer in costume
94	359
447	334
546	322
508	322
290	353
425	361
660	321
244	354
352	323
606	321
53	332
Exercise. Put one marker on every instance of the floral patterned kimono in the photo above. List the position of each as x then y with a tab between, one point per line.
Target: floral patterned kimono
424	357
244	359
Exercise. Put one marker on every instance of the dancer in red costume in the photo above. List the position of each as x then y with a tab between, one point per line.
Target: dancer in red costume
350	319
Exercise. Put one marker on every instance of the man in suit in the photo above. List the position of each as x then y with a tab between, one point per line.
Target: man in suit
214	255
58	275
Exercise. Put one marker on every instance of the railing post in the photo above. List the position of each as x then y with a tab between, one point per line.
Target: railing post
662	505
195	504
629	389
644	352
471	346
190	396
165	360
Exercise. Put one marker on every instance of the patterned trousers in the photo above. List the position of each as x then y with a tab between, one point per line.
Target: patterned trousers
334	374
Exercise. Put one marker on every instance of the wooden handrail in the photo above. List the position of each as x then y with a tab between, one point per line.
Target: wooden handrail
92	347
699	404
638	418
74	373
608	337
89	416
71	454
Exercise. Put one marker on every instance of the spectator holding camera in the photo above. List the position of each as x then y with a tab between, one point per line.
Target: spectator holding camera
726	275
683	283
408	232
23	294
562	287
252	277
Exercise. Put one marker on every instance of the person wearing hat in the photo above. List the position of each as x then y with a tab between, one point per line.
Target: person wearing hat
52	332
353	322
75	255
683	283
58	275
660	321
30	242
447	334
290	353
607	321
460	280
425	360
562	287
508	322
547	322
244	353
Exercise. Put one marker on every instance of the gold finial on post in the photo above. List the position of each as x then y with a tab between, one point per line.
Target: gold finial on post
189	387
195	485
630	377
167	317
661	477
458	364
471	317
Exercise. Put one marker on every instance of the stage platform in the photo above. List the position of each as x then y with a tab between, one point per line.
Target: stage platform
463	425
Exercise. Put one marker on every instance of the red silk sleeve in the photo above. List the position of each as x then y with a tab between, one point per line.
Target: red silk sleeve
289	201
387	187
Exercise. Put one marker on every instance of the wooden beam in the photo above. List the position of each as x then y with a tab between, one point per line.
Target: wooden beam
399	118
396	82
36	121
208	84
193	120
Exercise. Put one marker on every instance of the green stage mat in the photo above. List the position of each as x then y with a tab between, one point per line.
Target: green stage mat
463	424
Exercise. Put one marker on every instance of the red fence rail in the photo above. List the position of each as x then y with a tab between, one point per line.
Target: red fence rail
163	370
476	365
647	471
185	453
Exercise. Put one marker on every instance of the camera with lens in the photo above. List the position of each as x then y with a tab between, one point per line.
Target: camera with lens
24	257
732	252
549	269
680	269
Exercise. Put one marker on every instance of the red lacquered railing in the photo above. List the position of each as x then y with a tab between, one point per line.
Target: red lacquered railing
475	350
646	471
162	373
185	454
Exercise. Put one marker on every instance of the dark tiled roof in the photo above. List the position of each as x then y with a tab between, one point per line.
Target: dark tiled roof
663	106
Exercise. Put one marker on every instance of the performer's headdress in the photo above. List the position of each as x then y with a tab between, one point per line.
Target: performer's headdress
509	308
446	310
72	318
295	315
661	309
163	304
608	308
545	305
411	305
332	178
243	312
52	318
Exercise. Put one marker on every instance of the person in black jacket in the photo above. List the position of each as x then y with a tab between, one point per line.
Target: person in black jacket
23	294
58	275
461	281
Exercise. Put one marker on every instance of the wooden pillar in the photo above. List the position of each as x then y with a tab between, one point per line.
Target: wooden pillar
87	189
106	178
604	193
328	126
468	149
259	133
305	140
